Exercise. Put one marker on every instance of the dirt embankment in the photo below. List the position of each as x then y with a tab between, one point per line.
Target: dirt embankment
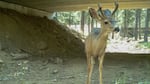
37	36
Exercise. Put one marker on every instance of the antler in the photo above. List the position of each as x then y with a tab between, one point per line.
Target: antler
93	14
100	14
96	14
100	9
116	7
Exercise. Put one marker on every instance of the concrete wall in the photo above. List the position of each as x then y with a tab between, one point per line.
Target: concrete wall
25	10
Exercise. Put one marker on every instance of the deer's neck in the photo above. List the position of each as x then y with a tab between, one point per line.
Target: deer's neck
103	36
101	43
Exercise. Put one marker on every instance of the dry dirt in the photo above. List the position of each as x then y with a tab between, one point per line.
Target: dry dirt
36	50
133	69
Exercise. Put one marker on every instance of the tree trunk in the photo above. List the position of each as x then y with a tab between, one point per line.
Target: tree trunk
82	21
125	24
136	24
96	23
139	24
146	26
69	19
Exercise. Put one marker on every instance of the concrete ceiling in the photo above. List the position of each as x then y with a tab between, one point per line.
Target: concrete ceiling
73	5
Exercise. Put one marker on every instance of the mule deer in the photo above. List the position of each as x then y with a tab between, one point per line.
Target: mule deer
95	44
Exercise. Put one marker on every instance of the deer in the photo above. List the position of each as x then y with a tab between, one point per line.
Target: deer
95	45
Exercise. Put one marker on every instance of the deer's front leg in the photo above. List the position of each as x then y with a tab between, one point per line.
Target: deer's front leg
101	58
90	63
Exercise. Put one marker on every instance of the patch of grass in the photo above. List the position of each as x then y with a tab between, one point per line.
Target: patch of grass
120	81
145	82
123	80
120	78
145	44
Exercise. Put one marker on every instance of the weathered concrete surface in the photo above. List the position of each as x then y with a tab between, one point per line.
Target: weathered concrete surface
25	10
70	5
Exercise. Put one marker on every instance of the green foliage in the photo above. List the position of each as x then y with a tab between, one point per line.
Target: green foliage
69	17
131	17
74	17
145	44
145	82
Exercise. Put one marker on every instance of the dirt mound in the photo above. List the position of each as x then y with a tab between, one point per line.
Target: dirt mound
37	36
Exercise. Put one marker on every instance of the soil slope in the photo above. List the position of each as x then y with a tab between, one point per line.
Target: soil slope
37	36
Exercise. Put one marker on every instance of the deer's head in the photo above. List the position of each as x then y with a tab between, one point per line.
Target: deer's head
104	17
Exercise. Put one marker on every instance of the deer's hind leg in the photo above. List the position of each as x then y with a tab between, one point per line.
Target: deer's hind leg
90	63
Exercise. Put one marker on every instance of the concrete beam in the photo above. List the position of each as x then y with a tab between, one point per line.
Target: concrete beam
73	5
24	10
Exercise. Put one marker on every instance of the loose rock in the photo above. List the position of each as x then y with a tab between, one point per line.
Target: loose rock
1	61
55	71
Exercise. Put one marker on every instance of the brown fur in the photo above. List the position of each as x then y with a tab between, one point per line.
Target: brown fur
95	45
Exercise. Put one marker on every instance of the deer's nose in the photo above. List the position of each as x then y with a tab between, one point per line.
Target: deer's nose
116	29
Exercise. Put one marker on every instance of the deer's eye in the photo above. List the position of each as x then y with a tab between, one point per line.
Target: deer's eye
106	22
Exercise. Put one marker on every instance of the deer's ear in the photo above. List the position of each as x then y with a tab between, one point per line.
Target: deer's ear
93	14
